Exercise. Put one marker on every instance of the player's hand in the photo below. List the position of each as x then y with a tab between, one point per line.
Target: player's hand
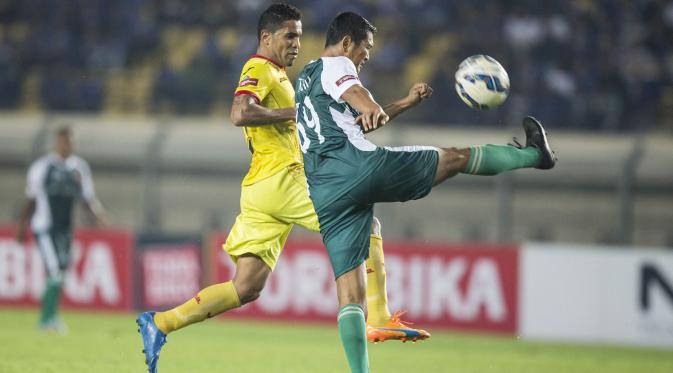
102	221
419	92
372	120
20	234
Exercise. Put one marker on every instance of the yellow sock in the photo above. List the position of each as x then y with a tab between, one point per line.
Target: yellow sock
209	302
377	299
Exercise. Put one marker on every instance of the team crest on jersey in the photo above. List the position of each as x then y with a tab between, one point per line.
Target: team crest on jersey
246	81
345	78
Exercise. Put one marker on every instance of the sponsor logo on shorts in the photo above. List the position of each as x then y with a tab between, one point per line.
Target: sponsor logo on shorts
345	78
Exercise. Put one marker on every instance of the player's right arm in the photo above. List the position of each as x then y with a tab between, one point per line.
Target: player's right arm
340	80
33	186
22	225
372	115
255	83
246	112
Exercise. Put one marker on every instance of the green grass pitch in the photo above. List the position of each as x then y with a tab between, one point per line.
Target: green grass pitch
101	342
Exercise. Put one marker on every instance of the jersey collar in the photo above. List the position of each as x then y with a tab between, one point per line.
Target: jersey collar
268	59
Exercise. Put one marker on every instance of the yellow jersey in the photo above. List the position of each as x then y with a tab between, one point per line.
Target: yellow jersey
273	146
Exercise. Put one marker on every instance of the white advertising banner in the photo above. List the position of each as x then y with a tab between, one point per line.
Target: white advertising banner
596	294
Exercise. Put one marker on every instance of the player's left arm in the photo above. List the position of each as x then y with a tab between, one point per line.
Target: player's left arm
91	202
417	93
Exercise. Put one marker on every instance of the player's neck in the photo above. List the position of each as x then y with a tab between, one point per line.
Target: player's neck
62	155
333	51
266	54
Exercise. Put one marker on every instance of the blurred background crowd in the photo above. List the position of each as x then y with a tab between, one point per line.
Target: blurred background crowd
589	64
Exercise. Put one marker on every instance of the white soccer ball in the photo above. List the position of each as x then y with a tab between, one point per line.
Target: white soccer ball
481	82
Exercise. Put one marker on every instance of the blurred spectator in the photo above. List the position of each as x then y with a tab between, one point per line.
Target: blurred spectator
584	64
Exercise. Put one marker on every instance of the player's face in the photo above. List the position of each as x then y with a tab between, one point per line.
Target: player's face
63	145
359	53
285	42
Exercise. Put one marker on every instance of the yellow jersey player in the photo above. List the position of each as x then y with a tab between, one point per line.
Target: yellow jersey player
274	196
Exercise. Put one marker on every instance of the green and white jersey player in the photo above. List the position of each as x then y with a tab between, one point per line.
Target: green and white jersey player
347	174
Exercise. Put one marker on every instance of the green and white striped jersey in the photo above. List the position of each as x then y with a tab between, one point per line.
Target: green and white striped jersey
337	156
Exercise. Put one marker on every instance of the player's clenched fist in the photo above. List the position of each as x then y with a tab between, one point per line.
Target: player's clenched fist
419	92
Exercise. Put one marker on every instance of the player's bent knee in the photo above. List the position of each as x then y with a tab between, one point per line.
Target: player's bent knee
248	291
250	297
376	226
248	294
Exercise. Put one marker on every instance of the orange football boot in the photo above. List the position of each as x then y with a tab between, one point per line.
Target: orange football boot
395	329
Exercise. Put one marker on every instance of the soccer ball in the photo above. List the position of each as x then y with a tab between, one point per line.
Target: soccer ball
481	82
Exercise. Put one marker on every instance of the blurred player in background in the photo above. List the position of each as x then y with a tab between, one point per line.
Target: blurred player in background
273	196
347	173
55	182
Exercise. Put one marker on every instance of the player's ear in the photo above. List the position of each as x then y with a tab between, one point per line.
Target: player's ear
346	43
265	37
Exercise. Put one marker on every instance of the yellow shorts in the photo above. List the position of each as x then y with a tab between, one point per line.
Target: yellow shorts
269	210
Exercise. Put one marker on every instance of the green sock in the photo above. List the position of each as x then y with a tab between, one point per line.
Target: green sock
494	159
50	300
353	337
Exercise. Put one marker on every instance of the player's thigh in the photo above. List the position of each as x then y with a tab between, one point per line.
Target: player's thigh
298	208
48	252
258	234
283	196
406	173
345	226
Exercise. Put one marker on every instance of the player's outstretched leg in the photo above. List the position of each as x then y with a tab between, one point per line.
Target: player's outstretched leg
248	282
153	339
381	325
536	137
209	302
494	159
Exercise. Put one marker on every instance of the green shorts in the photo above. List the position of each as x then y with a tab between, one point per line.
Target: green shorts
54	247
399	174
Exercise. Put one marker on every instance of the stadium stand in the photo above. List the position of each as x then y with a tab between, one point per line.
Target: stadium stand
588	64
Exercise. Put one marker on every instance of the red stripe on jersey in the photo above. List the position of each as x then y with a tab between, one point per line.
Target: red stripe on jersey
345	78
268	59
248	81
247	93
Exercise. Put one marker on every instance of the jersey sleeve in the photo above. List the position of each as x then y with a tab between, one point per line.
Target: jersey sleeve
255	81
86	180
35	184
338	75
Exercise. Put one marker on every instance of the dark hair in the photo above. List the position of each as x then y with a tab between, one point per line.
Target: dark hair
64	131
274	16
348	24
